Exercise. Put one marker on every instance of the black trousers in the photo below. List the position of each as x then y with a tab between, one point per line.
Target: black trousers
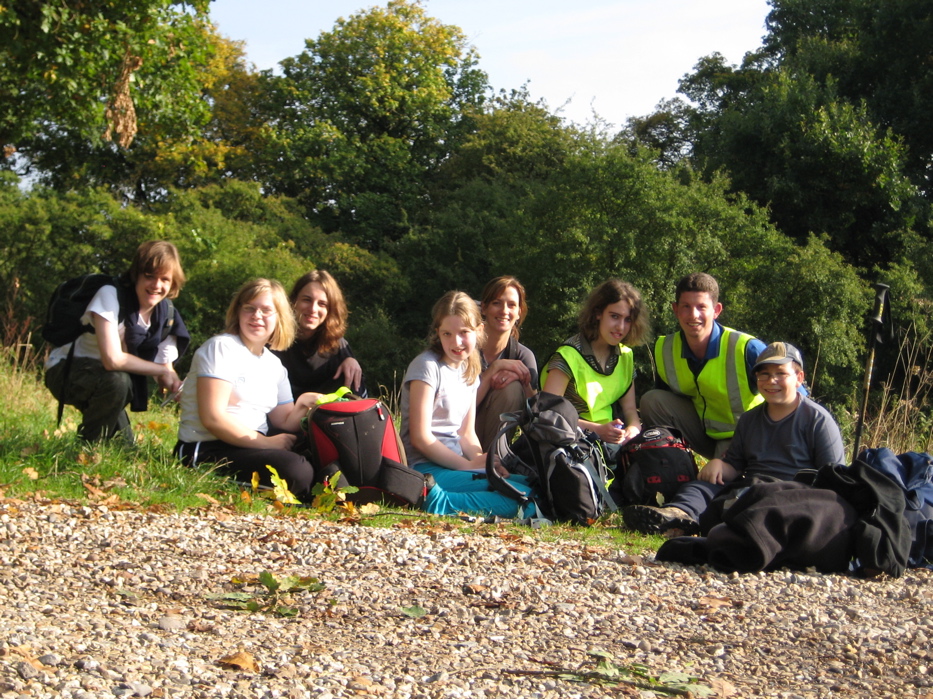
242	462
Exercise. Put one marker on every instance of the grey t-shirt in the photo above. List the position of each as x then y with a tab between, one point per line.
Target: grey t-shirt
807	438
453	398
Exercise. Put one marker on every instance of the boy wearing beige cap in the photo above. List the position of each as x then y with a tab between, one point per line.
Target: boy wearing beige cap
774	440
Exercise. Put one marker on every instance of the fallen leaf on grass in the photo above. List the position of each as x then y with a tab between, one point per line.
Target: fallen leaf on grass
239	661
94	491
205	496
31	473
89	458
369	508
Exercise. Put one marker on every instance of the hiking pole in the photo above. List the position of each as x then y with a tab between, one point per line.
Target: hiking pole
875	330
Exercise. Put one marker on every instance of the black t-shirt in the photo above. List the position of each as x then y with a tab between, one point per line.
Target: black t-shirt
309	370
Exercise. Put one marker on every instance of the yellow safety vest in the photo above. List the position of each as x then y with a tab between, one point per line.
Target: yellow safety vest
720	393
598	391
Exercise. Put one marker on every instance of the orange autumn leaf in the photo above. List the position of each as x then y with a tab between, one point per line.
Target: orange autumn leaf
239	661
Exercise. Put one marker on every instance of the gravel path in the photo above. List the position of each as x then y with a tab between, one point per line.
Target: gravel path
99	603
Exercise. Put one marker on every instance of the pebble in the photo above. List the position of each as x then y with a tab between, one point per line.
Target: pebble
140	614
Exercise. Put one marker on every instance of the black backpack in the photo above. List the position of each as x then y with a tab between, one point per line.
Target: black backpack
652	466
567	473
69	302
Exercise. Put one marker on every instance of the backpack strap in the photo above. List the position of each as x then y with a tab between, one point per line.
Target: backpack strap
65	374
502	452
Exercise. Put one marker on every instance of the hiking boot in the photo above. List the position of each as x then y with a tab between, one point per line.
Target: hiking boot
667	521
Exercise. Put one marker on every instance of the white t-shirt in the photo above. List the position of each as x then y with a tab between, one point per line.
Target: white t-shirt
106	304
453	398
259	385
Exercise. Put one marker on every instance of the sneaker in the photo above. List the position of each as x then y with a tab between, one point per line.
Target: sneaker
669	521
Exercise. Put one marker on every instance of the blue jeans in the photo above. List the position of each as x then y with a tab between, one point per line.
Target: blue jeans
464	491
694	497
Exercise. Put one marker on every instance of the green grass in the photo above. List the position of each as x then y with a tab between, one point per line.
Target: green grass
41	461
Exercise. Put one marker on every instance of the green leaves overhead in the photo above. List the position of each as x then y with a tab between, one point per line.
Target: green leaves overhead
359	120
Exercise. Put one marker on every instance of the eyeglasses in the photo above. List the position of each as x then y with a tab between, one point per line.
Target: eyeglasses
779	377
263	311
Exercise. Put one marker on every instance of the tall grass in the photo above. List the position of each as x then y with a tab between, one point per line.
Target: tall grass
37	457
900	412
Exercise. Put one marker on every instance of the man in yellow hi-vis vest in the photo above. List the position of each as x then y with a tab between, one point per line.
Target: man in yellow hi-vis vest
705	378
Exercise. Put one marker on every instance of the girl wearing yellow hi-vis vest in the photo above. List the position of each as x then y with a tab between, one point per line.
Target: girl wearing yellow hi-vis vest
594	370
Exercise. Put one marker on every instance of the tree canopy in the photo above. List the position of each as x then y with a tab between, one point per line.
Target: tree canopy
382	154
101	70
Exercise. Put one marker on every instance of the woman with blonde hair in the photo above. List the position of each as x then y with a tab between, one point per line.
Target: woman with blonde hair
241	390
438	412
320	360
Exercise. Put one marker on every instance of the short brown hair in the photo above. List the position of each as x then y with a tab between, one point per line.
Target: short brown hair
610	292
700	282
334	326
284	333
156	256
495	288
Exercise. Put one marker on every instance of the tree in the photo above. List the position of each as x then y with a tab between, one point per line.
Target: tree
167	152
359	120
804	125
101	69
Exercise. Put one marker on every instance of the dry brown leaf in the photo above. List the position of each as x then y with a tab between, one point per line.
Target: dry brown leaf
240	661
205	496
369	508
89	458
25	652
93	491
198	626
246	497
715	602
115	482
632	560
474	589
31	473
722	688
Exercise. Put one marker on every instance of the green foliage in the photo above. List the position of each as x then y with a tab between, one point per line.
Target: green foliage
607	673
276	597
68	65
358	120
328	494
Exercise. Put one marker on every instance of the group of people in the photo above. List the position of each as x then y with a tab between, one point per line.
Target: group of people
738	402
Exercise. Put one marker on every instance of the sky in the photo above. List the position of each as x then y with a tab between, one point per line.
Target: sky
617	58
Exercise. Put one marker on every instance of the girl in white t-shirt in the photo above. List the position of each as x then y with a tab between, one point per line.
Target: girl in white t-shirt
237	389
438	412
137	333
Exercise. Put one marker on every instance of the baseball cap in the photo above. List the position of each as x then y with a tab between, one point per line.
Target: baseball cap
778	353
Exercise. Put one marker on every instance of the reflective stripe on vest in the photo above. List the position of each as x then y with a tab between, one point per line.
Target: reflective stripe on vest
598	391
720	393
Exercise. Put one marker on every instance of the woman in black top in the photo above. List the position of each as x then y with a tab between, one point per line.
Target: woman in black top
320	360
